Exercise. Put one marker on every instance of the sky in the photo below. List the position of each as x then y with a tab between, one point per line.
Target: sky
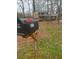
26	7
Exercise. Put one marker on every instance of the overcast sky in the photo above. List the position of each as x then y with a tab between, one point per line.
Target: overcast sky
26	6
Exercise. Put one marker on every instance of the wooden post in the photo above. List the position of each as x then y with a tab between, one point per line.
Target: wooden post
34	36
48	49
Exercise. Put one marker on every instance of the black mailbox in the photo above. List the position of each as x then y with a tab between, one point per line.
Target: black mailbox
27	27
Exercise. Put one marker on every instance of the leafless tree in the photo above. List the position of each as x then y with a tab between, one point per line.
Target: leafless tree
21	5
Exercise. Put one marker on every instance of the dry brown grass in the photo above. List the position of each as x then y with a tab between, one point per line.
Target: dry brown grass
47	30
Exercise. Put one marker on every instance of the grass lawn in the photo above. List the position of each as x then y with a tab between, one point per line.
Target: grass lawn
49	43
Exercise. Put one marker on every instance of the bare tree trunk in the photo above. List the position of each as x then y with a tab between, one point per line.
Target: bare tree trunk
57	18
29	8
33	7
23	9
